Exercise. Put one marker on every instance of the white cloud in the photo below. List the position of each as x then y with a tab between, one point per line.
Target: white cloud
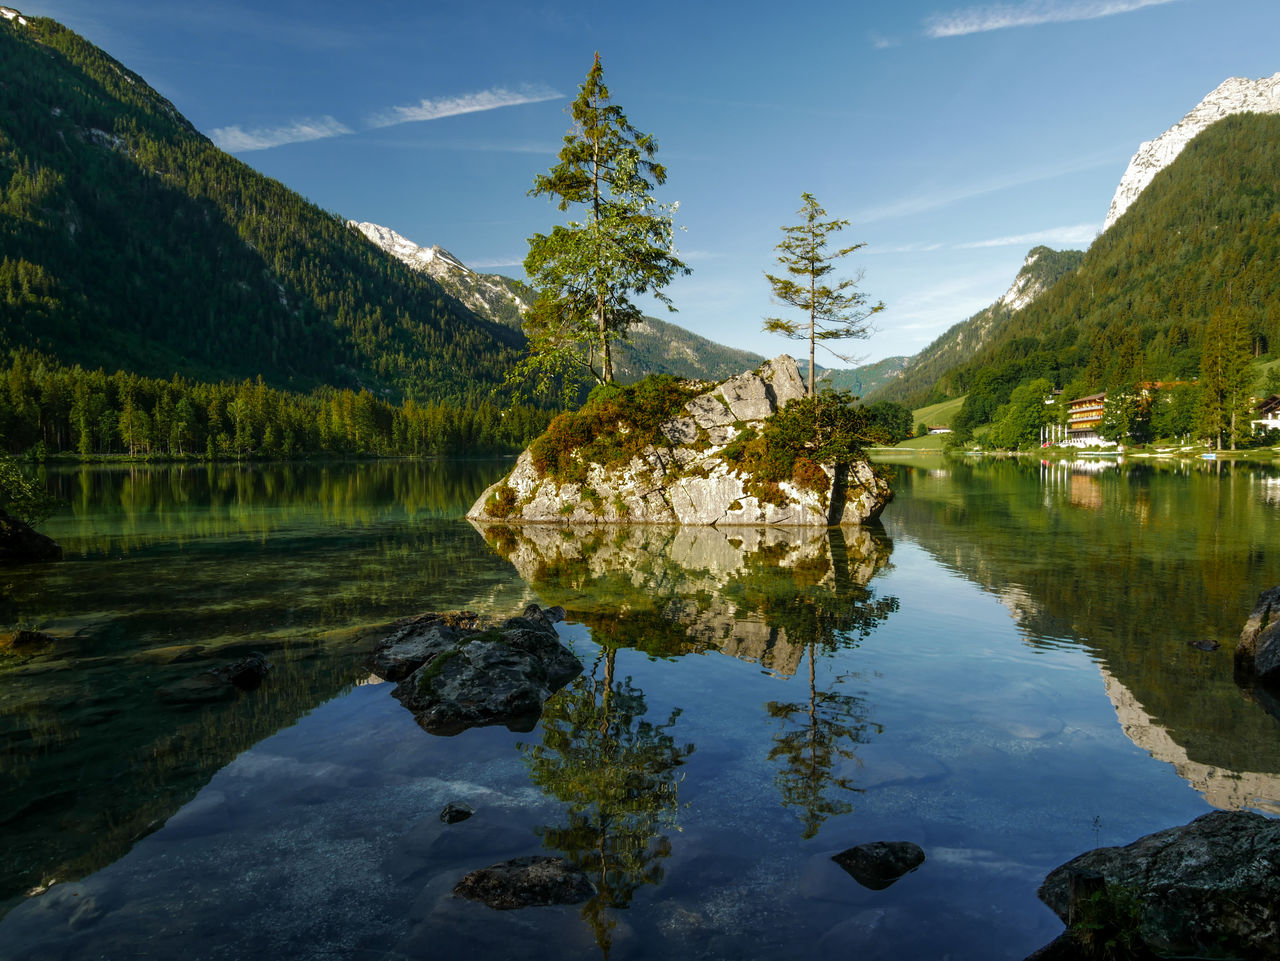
1001	16
466	103
237	140
884	43
1079	234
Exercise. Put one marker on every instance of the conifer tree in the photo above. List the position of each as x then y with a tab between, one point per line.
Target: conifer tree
587	271
834	313
1225	376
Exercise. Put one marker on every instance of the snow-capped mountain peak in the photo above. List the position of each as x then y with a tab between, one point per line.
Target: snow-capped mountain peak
489	295
433	260
1236	95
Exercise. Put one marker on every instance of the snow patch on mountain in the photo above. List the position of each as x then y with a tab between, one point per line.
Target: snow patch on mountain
1236	95
434	260
11	14
483	293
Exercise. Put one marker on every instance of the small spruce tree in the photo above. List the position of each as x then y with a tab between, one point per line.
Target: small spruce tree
841	312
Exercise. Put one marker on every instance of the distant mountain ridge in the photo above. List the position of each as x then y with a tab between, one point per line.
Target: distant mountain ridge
494	296
653	346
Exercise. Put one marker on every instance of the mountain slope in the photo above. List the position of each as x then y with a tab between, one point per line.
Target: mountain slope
865	379
128	240
653	346
916	381
1204	237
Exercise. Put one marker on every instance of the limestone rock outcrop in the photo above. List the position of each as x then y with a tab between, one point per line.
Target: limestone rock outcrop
19	543
686	481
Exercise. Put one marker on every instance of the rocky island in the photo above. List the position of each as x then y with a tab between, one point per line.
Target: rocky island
752	450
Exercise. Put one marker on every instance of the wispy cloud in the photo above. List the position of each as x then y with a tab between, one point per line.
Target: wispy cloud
951	194
919	247
1001	16
884	43
238	140
495	262
466	103
1079	234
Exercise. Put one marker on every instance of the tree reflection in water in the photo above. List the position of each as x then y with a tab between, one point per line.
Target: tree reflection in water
616	772
822	605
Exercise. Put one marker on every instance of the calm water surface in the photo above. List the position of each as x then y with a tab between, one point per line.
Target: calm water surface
1001	674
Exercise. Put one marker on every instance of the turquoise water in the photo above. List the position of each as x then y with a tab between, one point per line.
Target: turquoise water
1000	673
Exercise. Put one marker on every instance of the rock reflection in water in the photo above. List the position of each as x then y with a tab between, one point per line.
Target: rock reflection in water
759	594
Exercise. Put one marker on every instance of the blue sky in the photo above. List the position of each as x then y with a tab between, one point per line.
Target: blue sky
954	136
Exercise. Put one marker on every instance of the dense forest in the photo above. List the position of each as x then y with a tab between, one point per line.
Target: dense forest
128	239
50	409
1202	240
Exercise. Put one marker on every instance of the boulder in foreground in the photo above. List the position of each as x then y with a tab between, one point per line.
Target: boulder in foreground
1258	650
878	864
1210	888
455	672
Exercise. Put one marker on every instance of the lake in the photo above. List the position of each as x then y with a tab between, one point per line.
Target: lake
1000	672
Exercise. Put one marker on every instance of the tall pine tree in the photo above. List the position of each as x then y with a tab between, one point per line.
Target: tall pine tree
587	271
1225	376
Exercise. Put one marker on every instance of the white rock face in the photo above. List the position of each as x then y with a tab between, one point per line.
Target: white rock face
1024	288
688	482
1237	95
10	14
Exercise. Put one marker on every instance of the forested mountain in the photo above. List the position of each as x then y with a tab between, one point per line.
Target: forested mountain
128	240
922	379
652	346
1201	242
865	380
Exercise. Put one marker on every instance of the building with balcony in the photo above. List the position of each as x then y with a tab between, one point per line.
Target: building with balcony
1084	414
1267	414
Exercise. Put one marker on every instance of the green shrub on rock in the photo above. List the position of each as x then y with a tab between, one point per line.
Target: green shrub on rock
614	425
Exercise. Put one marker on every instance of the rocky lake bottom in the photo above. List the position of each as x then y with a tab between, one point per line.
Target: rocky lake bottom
1001	673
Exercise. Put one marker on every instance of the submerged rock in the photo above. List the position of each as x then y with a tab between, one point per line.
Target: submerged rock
878	864
218	683
454	675
525	883
456	811
682	478
1258	650
1209	886
27	642
20	543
